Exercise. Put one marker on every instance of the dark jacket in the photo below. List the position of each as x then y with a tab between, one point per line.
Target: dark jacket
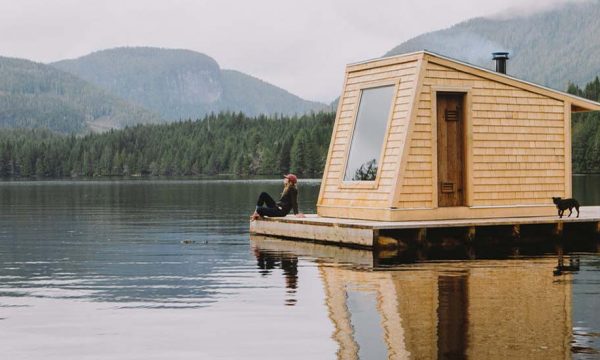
289	200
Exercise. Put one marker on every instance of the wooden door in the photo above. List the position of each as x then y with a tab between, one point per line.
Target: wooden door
450	149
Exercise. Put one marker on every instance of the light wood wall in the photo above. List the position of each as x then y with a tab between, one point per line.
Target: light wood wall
333	192
515	143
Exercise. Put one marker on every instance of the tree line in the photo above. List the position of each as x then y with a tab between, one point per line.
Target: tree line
224	143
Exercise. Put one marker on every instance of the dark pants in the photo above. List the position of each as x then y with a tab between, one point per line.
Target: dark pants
266	206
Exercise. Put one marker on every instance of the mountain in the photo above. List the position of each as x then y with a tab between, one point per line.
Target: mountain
551	47
241	91
34	95
180	84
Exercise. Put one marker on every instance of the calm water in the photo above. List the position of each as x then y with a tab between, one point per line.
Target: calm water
166	270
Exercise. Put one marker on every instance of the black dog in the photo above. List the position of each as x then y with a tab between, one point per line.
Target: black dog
564	204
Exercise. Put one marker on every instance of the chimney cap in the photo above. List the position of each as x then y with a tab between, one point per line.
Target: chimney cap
498	55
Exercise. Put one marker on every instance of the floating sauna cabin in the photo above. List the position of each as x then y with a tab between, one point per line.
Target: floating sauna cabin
425	137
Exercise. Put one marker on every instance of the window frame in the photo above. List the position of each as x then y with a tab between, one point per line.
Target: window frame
366	184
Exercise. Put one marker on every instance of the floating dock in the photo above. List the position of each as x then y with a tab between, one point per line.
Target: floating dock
385	234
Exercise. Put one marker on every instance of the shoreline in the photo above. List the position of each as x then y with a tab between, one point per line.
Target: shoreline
108	179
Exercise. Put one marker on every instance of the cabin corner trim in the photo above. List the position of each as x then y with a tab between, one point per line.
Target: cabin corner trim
412	118
568	158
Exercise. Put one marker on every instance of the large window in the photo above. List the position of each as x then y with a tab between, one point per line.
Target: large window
371	123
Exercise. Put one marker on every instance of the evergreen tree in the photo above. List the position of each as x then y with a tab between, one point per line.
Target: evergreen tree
233	144
284	158
298	156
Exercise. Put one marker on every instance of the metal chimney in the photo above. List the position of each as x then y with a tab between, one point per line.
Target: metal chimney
500	58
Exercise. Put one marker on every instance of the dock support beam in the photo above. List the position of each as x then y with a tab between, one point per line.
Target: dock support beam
421	237
516	232
558	229
384	242
471	232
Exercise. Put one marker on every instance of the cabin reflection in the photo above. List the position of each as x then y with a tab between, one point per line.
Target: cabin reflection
480	313
443	310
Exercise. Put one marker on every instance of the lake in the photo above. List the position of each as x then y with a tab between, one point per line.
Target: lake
166	269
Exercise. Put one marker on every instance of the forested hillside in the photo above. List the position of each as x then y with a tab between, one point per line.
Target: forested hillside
34	95
551	48
228	143
586	131
182	84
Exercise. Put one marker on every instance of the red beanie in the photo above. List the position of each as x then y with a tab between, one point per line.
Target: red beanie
292	178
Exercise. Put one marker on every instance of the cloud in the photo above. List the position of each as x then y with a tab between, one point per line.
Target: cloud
527	9
302	47
466	46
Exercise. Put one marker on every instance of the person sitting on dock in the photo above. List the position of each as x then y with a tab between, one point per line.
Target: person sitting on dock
266	206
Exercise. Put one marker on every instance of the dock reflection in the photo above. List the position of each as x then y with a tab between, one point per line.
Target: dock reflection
481	309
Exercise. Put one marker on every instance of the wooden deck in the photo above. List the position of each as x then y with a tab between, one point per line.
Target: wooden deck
368	234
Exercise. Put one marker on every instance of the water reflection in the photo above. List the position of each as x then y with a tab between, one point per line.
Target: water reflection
480	309
267	261
141	244
164	269
452	314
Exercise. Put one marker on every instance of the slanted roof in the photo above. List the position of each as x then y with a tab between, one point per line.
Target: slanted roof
578	104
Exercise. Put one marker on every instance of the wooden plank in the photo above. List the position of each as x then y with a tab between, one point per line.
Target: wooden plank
416	188
403	68
589	214
419	166
521	158
420	174
402	108
340	234
343	139
414	204
361	80
354	195
499	188
494	154
518	180
356	78
481	97
531	121
501	137
370	64
517	129
351	205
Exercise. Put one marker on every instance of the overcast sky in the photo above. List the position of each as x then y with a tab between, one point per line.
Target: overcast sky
301	46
